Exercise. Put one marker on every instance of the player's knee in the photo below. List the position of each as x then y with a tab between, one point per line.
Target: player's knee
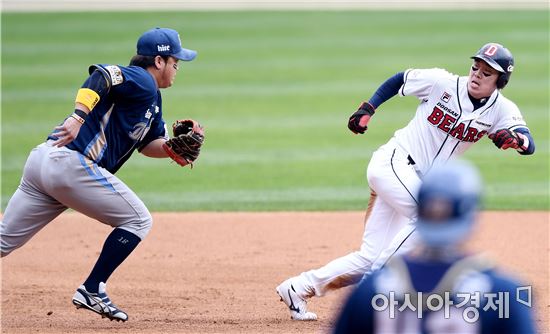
144	226
139	226
147	224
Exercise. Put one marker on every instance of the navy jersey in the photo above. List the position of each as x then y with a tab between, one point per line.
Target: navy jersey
129	117
474	298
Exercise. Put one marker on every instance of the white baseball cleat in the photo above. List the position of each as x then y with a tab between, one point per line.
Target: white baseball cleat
296	304
99	303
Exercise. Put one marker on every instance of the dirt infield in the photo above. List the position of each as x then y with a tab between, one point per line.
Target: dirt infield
217	272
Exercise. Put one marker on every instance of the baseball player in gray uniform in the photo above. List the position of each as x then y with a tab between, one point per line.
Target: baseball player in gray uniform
118	109
454	113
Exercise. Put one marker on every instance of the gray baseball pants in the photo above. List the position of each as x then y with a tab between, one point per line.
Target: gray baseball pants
56	178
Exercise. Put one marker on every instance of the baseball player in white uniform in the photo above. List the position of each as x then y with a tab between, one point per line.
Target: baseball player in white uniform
454	112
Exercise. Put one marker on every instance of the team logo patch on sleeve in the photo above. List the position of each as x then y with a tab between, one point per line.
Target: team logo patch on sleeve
116	74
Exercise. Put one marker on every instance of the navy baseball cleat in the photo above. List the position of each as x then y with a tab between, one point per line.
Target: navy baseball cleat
99	303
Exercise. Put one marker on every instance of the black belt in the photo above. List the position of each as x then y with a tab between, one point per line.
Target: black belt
411	161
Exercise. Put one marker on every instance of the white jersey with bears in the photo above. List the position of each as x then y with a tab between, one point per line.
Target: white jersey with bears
446	123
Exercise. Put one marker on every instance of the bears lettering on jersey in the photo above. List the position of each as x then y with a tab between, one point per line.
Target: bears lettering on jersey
446	122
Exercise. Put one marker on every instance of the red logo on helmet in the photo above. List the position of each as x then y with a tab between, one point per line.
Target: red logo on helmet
491	50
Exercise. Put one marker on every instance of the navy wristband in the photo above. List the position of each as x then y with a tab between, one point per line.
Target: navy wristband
80	113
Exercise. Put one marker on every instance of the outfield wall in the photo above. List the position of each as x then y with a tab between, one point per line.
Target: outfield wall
143	5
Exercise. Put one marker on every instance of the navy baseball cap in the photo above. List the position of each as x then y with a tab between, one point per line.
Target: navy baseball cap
163	42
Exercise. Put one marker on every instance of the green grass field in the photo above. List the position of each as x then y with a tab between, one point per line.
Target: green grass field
274	91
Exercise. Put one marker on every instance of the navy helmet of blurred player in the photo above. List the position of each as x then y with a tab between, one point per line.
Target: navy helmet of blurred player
448	202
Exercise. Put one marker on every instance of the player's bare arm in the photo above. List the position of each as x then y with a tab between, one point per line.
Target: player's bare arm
154	149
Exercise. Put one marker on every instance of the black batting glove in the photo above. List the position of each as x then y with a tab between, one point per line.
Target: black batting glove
505	139
358	120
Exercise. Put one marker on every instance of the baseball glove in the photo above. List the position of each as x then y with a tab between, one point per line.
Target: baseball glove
185	146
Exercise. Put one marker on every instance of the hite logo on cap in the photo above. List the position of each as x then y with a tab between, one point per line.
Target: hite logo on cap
445	97
163	48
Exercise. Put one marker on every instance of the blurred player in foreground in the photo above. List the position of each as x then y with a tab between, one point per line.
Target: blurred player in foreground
453	114
438	288
118	109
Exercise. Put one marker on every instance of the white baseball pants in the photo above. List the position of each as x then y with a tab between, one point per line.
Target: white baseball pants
389	224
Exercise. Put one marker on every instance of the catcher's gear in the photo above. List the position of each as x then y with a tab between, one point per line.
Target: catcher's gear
358	121
185	146
505	139
499	58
